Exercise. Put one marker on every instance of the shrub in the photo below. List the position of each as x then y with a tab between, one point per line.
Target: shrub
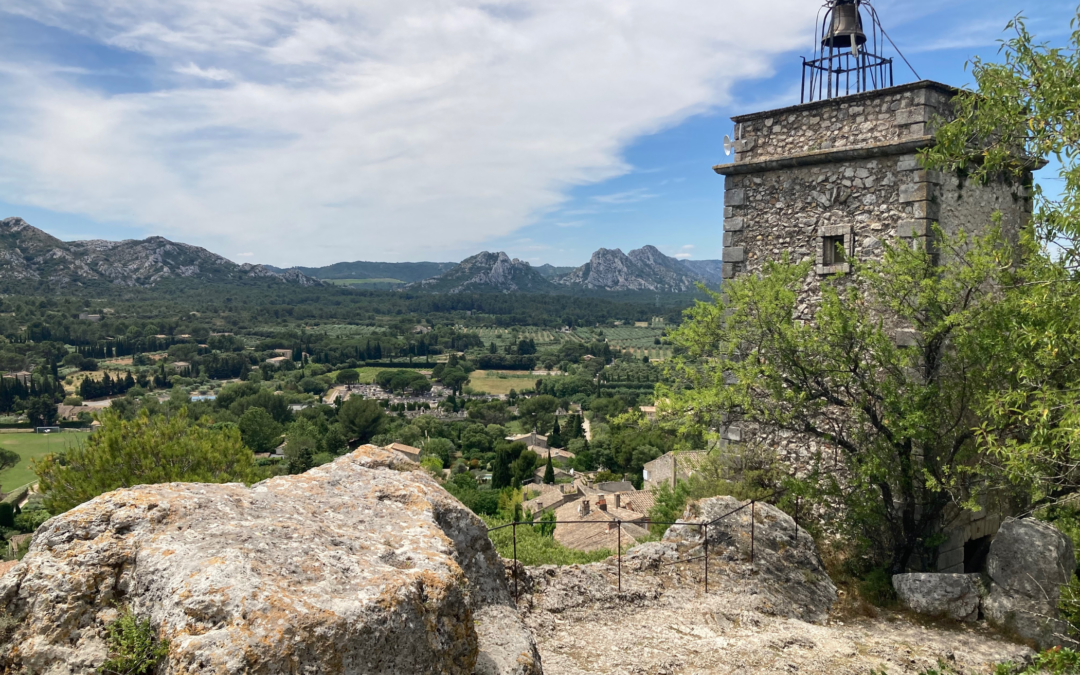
533	548
134	649
30	520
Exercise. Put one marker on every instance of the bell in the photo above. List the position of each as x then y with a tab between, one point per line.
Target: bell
846	28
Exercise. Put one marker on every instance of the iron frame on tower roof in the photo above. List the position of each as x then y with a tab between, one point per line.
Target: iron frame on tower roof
834	71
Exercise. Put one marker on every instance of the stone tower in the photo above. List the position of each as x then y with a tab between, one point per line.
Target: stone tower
845	171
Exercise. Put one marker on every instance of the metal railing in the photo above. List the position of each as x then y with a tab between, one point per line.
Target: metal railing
704	526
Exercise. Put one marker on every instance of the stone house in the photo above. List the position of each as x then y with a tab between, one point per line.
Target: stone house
531	439
669	466
407	451
829	181
604	523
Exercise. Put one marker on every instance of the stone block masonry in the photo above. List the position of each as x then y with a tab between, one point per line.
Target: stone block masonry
829	183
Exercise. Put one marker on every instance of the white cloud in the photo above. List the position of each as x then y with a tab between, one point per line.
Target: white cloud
215	74
312	131
245	255
628	197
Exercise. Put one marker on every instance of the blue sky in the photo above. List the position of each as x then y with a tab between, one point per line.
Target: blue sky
309	132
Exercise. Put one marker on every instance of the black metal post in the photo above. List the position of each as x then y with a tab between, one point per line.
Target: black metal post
514	526
706	558
753	504
802	92
796	519
618	523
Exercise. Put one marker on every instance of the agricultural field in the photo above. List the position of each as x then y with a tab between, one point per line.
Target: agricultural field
344	331
367	375
500	382
638	340
31	446
543	337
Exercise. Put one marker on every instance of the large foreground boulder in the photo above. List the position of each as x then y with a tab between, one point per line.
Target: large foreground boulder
1028	563
955	596
358	566
788	562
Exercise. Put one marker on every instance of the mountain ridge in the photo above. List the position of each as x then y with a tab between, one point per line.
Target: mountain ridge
30	256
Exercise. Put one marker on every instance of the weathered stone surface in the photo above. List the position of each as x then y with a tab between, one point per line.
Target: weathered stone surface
1028	563
358	566
790	565
953	595
663	622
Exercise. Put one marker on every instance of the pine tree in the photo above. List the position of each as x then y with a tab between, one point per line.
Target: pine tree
549	471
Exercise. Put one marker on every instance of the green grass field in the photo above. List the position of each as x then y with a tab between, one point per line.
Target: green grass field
30	446
497	382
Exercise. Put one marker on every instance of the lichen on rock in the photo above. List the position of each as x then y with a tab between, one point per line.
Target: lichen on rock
356	566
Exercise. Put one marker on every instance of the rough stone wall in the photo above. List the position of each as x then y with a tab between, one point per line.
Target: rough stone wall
790	211
884	116
845	171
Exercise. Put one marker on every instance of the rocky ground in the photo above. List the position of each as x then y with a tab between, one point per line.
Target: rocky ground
664	624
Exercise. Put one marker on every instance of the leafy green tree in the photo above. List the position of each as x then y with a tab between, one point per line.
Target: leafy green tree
259	430
361	419
900	418
1025	107
546	526
537	410
141	451
7	514
443	448
347	376
549	471
41	411
8	458
301	446
501	475
311	385
455	378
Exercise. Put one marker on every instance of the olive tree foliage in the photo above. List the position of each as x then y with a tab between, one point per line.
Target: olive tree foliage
1028	102
883	375
145	450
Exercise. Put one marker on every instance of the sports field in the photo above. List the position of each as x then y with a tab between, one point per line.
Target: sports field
30	446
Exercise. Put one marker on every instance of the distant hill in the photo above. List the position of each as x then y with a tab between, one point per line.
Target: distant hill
550	271
710	271
30	257
609	270
406	272
488	272
643	269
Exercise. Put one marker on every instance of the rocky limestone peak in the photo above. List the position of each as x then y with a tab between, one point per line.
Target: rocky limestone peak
30	254
487	271
362	565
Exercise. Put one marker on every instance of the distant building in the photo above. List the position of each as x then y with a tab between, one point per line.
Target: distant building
682	465
70	413
607	523
532	439
407	451
89	317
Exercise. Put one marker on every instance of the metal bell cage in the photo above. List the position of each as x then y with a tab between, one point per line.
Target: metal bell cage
846	60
